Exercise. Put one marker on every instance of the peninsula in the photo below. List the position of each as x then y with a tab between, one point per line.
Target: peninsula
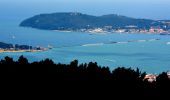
112	23
6	47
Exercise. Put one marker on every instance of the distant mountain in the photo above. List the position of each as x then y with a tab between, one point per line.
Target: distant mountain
77	21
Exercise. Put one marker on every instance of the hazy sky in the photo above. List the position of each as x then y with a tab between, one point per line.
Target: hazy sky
153	9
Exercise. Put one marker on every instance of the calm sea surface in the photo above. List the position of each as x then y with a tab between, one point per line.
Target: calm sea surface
131	50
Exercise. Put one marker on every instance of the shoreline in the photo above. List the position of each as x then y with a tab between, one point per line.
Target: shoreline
104	32
19	51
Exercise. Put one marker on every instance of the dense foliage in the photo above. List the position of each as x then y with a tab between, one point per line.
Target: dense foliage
124	81
5	45
77	21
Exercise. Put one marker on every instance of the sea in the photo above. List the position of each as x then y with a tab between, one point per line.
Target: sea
148	52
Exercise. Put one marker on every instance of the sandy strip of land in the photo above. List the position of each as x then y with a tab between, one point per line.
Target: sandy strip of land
19	51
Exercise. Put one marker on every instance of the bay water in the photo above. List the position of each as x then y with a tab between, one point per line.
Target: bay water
149	52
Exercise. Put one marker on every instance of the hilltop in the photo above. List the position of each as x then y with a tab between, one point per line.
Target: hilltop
74	21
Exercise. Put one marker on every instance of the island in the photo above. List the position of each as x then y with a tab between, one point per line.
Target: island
112	23
7	47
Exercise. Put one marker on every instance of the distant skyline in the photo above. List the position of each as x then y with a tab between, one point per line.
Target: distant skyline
151	9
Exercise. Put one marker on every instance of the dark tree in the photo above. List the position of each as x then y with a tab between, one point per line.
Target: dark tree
122	81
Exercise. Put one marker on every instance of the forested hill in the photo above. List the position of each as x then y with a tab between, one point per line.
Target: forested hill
77	21
5	45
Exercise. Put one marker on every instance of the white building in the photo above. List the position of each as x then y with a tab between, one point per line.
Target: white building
150	77
168	73
97	30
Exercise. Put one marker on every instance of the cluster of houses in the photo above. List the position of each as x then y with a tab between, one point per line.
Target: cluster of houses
152	78
127	29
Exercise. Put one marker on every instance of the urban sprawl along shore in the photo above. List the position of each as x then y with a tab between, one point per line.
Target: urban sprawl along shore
132	29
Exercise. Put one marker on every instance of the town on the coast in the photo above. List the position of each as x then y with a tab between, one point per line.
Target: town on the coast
129	29
111	23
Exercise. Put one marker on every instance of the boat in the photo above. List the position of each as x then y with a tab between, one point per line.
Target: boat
50	47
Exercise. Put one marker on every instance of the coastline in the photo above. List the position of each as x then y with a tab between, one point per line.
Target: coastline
20	51
104	32
15	48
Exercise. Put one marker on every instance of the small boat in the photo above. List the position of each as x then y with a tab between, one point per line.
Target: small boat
50	47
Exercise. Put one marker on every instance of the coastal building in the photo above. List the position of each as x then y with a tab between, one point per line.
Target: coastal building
133	30
168	73
120	30
143	31
97	30
108	27
156	30
151	30
150	77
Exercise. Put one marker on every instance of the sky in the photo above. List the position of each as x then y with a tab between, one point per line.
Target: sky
150	9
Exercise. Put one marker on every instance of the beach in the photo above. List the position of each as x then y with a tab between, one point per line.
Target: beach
19	51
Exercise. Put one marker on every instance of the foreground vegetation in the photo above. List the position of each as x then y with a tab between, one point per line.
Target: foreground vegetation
122	80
